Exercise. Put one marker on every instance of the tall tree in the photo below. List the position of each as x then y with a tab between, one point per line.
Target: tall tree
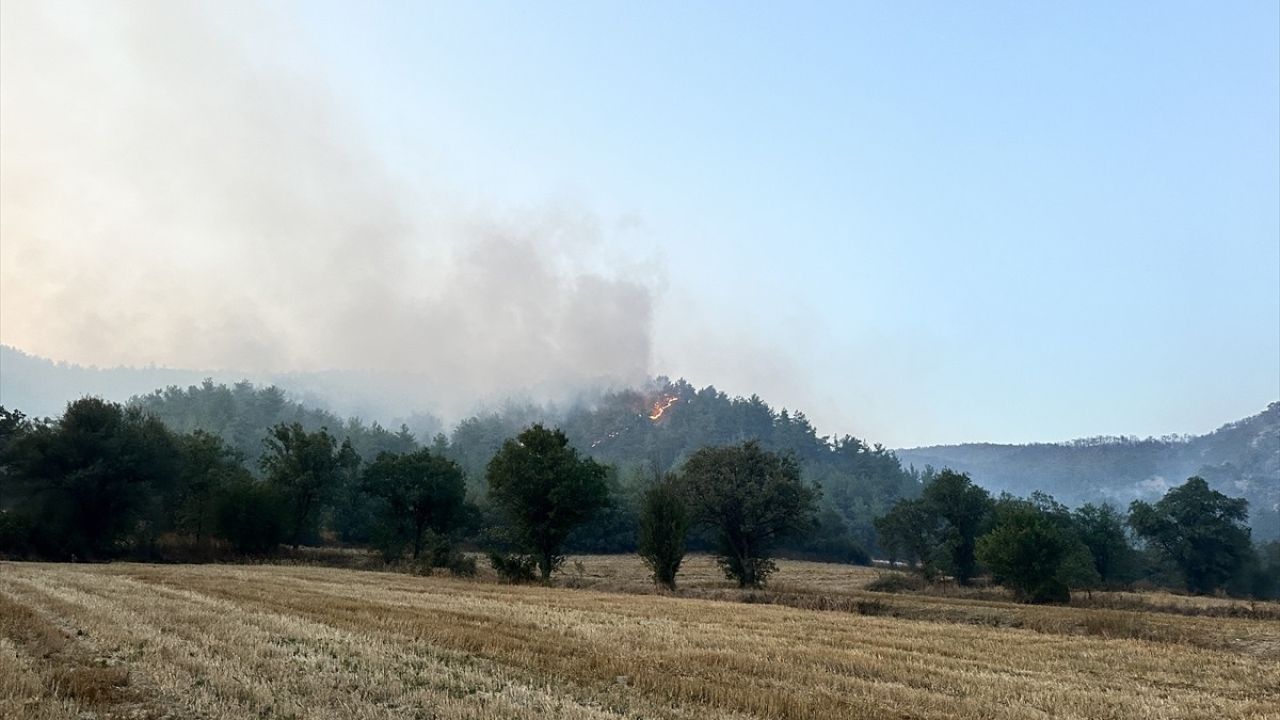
909	531
544	489
206	465
1028	550
421	492
965	510
941	528
751	498
1102	529
664	525
1199	530
306	467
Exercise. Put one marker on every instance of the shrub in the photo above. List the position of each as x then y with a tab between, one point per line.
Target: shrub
460	565
514	568
441	552
1052	590
896	583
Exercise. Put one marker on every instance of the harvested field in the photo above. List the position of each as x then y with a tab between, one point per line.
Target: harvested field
219	641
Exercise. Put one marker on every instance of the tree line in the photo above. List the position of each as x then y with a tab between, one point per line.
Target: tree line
859	480
1194	538
1241	459
106	481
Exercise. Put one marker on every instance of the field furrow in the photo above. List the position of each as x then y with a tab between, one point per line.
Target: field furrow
302	642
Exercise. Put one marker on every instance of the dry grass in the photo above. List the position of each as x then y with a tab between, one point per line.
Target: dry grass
1161	601
846	588
699	573
308	642
47	672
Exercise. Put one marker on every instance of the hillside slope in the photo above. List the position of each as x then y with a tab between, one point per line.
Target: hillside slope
1241	459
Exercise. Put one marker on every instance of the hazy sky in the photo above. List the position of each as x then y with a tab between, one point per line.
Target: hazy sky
918	223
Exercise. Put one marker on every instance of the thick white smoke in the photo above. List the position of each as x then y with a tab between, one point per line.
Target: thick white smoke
172	194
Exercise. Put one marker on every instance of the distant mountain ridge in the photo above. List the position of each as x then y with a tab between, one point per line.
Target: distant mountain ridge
1241	459
41	387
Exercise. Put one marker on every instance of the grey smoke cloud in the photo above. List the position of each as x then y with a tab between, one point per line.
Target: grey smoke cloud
172	194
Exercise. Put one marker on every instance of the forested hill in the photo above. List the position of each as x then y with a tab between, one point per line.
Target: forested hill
1241	459
42	388
641	433
859	479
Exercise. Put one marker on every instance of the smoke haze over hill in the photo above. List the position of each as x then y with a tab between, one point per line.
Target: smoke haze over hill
442	204
174	203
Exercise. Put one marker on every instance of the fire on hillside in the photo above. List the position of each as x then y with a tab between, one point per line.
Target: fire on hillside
658	408
661	405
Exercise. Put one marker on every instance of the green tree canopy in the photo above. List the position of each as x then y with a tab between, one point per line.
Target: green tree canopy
307	468
13	425
941	528
544	489
965	510
664	525
91	477
207	464
1102	530
421	492
249	514
751	498
1199	530
1034	549
909	532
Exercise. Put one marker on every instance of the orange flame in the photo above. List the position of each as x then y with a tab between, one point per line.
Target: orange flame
660	406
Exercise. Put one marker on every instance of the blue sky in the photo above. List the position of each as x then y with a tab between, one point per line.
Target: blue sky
1008	222
920	223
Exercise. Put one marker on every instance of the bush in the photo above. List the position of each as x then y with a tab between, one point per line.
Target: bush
460	565
747	572
439	551
1052	590
896	583
513	568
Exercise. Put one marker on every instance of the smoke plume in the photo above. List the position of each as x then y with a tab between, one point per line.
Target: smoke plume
174	193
